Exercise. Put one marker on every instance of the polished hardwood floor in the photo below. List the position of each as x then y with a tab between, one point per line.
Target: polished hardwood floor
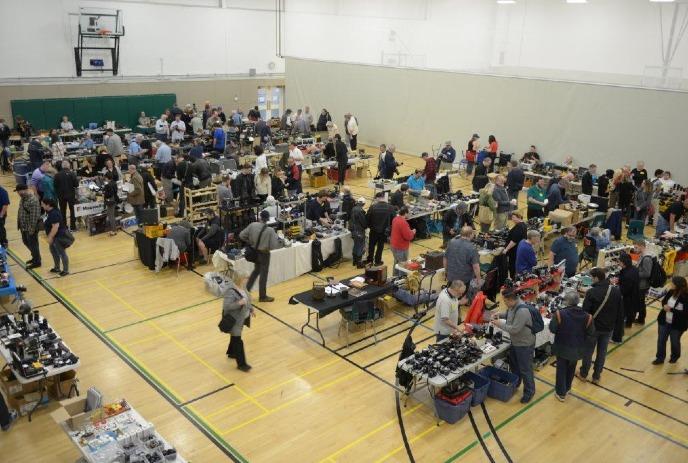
153	339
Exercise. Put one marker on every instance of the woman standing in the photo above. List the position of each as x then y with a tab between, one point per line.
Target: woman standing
58	237
471	150
629	282
672	322
111	200
492	151
263	184
400	238
323	119
237	304
488	207
642	201
614	187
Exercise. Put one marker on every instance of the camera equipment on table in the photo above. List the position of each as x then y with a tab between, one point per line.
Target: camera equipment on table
376	275
542	278
447	357
535	223
493	239
33	344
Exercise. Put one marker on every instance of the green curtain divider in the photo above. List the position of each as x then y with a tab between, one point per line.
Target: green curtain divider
47	113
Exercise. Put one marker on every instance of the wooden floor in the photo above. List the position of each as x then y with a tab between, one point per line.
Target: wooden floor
153	339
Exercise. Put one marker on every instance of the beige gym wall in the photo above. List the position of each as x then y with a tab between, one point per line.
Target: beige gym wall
218	91
416	109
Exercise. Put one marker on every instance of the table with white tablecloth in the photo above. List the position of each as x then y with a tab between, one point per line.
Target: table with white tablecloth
286	263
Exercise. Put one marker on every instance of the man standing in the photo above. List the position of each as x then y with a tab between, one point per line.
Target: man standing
639	174
564	248
136	197
447	310
570	326
517	233
66	184
352	130
178	129
461	260
587	179
162	128
501	197
4	206
603	301
378	218
37	177
297	155
263	130
357	225
644	271
389	164
4	133
447	156
163	154
514	181
29	222
555	195
135	150
517	322
526	256
263	239
341	154
113	143
400	238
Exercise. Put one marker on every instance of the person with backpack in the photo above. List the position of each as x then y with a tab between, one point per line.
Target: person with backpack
604	302
521	323
570	325
672	321
645	264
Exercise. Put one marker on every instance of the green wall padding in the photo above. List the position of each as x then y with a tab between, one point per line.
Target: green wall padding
47	113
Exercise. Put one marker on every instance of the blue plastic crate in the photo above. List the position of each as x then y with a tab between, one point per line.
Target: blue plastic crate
481	385
497	389
452	413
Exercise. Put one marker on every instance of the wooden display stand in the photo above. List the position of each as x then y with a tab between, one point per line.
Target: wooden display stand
197	201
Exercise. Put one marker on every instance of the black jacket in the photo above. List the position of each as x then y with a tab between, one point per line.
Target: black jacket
341	153
347	205
586	183
680	321
379	216
515	179
603	186
168	170
5	132
110	193
277	187
148	195
35	152
65	183
449	221
185	173
323	119
243	186
629	285
613	308
201	169
358	222
397	199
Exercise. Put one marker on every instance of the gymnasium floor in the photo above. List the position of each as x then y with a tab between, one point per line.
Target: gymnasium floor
153	339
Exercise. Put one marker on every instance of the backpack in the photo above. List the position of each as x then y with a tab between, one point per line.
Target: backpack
316	256
442	185
537	324
658	276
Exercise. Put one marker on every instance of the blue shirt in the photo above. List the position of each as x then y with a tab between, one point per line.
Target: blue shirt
88	143
416	184
237	119
196	152
135	147
525	257
564	249
219	139
449	154
4	197
164	154
482	154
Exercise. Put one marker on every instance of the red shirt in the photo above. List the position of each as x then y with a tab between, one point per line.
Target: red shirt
430	170
401	234
494	147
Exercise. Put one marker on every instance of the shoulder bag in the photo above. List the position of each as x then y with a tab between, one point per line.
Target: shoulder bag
604	302
251	253
227	321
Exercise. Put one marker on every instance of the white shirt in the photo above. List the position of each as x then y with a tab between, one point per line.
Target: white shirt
261	161
162	127
177	128
296	155
446	307
67	126
352	126
667	185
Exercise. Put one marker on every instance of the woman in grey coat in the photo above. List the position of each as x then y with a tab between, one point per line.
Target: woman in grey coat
237	303
642	199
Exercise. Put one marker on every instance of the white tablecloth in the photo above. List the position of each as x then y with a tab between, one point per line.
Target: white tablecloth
286	263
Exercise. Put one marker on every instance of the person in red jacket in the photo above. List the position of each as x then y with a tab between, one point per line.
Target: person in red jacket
400	239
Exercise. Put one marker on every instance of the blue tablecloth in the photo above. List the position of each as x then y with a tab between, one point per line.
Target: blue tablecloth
11	289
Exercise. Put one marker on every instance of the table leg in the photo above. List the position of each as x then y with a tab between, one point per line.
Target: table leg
41	386
315	328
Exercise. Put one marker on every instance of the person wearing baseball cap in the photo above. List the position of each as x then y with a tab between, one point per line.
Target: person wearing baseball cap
357	225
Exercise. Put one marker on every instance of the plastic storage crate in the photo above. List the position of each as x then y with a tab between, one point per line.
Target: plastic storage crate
481	385
498	390
452	413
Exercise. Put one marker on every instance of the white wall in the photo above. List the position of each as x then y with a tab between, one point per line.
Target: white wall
38	37
415	109
608	41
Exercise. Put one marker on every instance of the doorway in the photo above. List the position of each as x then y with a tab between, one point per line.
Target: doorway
271	102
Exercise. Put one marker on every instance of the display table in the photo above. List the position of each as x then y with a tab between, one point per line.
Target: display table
321	308
60	359
11	288
115	432
286	263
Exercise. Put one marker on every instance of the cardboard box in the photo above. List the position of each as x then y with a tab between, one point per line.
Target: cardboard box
12	387
575	213
71	413
62	384
561	217
318	180
154	231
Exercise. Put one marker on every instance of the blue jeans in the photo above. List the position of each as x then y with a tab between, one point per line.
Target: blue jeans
667	332
359	249
400	256
59	253
566	369
662	226
599	341
521	364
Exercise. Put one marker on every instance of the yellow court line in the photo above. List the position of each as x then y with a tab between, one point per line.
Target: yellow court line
265	391
411	441
183	347
172	330
631	416
369	434
289	402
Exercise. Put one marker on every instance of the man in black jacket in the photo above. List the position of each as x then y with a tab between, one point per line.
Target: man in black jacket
604	302
514	180
35	154
379	217
243	186
396	199
342	156
603	183
201	170
184	176
346	204
480	178
357	225
586	180
66	183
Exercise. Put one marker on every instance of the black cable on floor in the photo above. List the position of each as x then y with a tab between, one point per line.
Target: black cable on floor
494	433
480	438
400	419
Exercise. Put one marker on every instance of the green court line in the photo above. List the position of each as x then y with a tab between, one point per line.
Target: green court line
647	325
172	312
520	412
132	362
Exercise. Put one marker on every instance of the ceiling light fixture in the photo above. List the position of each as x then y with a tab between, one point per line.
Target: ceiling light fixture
576	1
506	2
662	1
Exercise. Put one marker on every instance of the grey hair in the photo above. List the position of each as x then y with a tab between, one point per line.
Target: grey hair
595	231
457	285
532	234
571	298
